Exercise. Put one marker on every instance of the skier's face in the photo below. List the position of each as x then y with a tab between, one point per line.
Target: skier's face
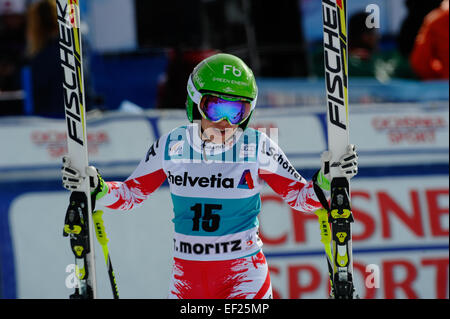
218	132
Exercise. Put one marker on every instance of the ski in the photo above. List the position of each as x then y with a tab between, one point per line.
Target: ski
334	14
78	218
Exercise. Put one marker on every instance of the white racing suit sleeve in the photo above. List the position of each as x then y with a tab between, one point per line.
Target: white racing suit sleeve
276	170
145	179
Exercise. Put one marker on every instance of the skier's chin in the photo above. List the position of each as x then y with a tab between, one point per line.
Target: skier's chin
219	135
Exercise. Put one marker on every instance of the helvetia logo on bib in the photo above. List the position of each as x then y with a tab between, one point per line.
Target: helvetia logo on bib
213	181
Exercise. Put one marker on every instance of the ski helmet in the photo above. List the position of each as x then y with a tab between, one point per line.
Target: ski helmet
220	74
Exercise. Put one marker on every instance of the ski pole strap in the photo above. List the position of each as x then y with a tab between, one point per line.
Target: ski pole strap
319	192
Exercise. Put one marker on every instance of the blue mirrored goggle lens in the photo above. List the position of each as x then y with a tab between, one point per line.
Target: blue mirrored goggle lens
216	109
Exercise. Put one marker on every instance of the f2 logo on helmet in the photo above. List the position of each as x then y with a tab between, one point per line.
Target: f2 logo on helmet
236	72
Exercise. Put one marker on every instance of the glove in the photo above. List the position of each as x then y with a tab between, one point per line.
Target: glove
348	164
71	179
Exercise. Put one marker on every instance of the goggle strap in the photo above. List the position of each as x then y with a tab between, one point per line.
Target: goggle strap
195	95
253	102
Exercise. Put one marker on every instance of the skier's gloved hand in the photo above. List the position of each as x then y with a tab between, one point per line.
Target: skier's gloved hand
71	179
348	164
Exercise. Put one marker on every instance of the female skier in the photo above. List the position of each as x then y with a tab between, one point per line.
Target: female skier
216	168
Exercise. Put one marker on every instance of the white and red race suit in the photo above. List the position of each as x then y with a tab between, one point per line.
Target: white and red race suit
215	191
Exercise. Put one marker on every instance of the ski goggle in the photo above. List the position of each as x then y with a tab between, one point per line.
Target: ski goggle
217	108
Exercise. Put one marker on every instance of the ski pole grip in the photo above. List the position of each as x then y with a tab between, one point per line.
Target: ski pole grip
325	231
99	227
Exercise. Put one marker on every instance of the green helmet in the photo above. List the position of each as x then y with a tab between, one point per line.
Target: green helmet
222	74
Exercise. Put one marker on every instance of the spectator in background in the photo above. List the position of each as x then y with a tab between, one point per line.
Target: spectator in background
429	57
12	43
43	54
362	44
365	58
417	10
12	47
171	91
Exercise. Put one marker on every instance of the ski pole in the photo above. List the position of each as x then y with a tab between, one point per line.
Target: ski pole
103	241
325	239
